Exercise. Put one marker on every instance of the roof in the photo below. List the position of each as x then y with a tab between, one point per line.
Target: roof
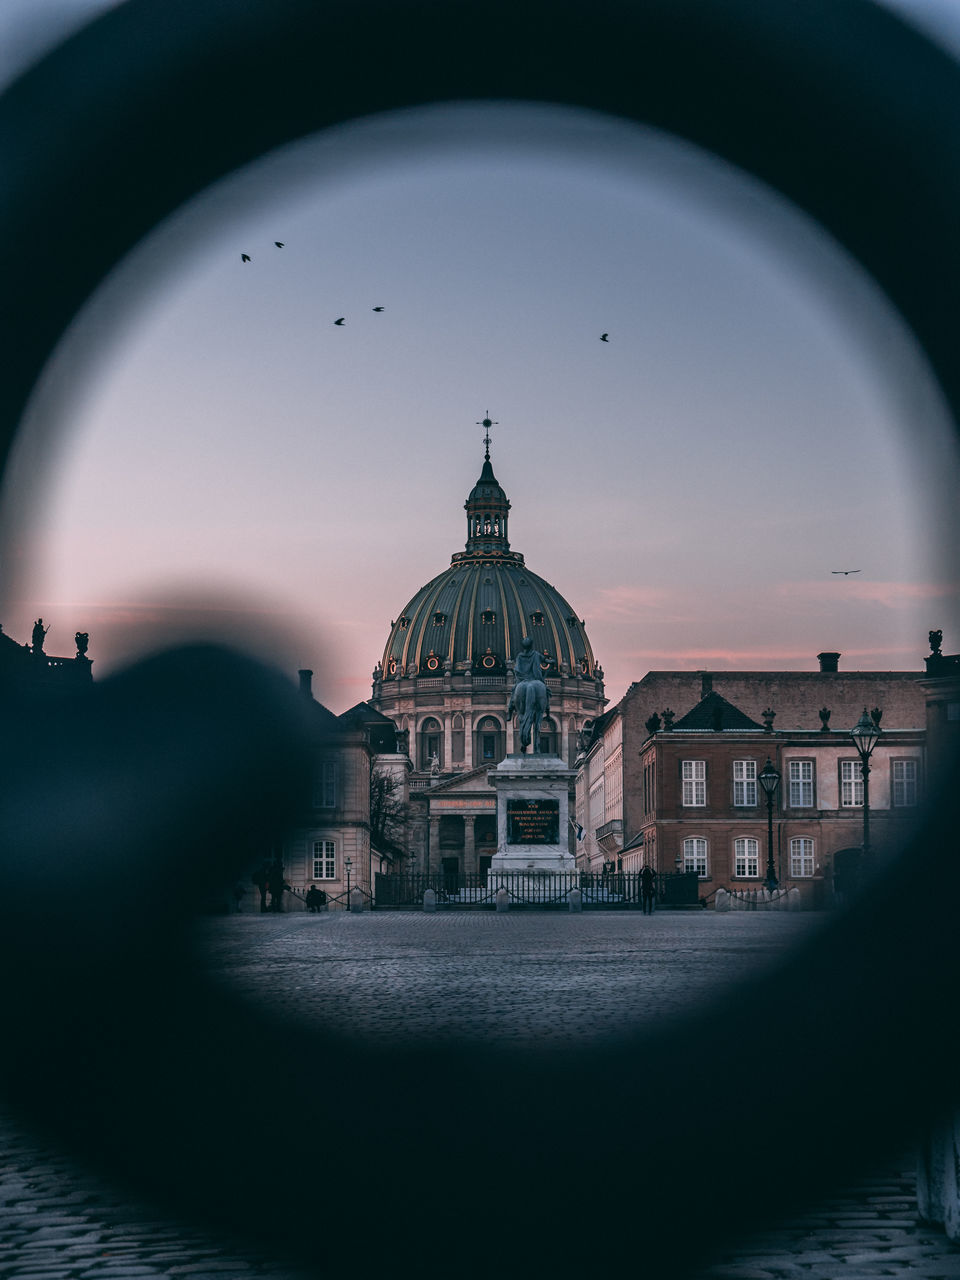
364	713
716	713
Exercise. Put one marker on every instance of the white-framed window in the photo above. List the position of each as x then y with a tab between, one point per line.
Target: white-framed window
800	779
324	860
801	857
325	786
905	780
851	784
746	856
694	778
695	854
745	782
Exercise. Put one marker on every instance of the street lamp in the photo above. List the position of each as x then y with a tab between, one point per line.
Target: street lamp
348	863
769	778
865	735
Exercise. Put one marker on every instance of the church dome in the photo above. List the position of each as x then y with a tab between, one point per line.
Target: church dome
473	616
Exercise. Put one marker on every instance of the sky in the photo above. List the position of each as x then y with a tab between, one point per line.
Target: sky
230	463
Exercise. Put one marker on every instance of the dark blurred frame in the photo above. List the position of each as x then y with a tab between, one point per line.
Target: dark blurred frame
120	1047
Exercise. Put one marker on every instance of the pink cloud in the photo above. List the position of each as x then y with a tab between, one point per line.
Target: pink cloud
892	595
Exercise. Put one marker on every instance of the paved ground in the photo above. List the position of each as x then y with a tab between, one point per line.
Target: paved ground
506	977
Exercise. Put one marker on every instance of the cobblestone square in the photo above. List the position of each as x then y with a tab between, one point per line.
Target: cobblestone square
509	977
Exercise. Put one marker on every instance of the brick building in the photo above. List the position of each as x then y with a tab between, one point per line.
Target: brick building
704	811
627	798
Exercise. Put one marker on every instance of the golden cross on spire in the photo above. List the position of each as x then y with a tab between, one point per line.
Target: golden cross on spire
487	423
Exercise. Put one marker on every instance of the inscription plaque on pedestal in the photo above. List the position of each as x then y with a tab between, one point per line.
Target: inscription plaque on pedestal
533	822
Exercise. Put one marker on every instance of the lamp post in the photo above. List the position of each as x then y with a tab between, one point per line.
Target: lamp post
865	735
348	863
769	778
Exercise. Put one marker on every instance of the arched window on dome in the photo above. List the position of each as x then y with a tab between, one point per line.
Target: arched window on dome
488	742
549	737
431	743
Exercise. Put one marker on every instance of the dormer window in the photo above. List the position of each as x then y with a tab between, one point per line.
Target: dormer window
403	623
439	619
488	617
537	619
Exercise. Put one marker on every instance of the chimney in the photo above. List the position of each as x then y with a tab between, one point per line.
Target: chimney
828	661
305	678
706	683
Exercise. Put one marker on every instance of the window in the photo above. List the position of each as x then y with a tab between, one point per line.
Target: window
324	860
745	782
488	617
904	788
431	738
549	737
403	623
801	784
325	786
695	853
694	776
801	858
851	784
537	619
439	619
746	857
648	787
953	710
489	741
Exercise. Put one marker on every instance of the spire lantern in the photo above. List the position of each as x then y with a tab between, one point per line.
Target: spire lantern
487	507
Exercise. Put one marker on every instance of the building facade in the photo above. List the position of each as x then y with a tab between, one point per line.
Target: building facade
338	836
704	810
630	806
446	675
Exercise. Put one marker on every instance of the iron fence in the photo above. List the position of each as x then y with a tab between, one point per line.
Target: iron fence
619	889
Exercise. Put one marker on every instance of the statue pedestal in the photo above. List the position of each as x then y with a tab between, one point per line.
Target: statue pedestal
533	823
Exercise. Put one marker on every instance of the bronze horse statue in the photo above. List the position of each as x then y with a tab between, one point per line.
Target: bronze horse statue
530	698
529	701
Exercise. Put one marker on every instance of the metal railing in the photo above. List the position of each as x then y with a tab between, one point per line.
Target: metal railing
619	889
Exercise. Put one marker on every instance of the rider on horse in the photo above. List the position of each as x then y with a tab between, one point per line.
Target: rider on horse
530	697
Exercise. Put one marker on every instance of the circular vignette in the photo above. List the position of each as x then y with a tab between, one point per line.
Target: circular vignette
159	98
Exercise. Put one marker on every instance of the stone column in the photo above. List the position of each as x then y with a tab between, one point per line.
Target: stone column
467	740
469	845
433	847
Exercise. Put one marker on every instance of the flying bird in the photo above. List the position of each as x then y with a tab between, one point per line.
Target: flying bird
845	571
378	308
604	337
244	257
340	321
278	243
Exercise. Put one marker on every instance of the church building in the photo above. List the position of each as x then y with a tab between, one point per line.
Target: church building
446	675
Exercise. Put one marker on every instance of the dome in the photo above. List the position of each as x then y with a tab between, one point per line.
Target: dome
473	616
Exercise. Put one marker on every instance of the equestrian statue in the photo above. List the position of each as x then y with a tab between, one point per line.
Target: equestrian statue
530	698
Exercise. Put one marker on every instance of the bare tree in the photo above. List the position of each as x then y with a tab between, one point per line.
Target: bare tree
389	813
